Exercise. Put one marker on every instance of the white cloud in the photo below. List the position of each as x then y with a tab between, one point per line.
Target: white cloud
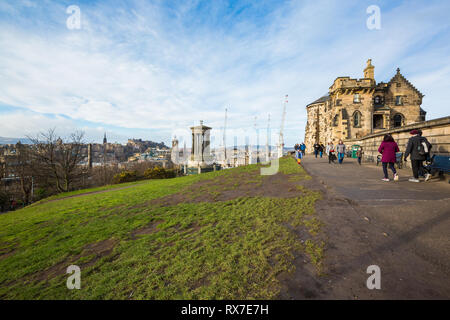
149	67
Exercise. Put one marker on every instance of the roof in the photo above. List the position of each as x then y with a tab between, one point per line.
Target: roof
321	99
399	76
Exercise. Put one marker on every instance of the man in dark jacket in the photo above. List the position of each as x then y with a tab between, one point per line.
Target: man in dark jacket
415	148
321	149
316	149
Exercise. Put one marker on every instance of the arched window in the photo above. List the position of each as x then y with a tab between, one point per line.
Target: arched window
398	120
357	119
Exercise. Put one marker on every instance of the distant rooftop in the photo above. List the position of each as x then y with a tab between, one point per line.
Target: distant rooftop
321	99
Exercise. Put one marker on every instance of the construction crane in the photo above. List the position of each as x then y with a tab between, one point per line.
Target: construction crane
224	139
257	141
281	139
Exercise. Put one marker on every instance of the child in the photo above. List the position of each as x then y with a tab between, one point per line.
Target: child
299	156
359	154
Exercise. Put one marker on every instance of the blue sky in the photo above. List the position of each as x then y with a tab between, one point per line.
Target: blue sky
151	69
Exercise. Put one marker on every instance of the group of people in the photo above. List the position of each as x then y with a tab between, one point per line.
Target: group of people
318	149
418	149
300	150
335	152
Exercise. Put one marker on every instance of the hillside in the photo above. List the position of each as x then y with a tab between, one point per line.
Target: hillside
231	234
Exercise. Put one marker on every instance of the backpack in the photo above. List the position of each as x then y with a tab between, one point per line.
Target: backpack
422	148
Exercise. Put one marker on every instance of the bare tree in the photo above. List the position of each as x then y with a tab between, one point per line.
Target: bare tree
24	170
59	159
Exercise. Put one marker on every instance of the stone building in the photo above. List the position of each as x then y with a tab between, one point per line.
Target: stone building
355	108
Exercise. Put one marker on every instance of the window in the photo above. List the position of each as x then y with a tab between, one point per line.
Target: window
344	114
398	100
356	98
357	119
377	100
423	114
378	121
335	120
398	120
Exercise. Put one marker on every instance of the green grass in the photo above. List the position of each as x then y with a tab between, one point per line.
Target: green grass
233	249
96	189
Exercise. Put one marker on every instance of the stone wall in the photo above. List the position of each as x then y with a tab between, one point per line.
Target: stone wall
437	132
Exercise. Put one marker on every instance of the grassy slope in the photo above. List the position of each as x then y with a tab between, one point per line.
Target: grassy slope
201	250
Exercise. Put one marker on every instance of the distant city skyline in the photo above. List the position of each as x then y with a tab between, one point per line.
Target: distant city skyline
147	69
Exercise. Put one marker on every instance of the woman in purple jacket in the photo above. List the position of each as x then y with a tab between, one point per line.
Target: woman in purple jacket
388	148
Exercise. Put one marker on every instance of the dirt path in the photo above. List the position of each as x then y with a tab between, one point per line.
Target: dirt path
402	227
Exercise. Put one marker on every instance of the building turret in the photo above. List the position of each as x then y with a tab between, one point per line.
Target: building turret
369	70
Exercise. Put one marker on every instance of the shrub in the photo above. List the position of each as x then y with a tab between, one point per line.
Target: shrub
126	176
159	173
4	201
41	193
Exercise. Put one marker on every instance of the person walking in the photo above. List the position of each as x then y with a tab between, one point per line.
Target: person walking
359	154
316	149
418	147
321	149
327	150
330	151
423	172
303	148
340	150
388	149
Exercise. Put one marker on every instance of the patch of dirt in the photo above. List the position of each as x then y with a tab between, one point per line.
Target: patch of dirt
102	248
4	255
232	187
98	249
148	229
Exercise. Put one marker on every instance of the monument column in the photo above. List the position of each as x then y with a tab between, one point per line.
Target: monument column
192	148
200	146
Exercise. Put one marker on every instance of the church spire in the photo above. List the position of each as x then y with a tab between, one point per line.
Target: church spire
105	141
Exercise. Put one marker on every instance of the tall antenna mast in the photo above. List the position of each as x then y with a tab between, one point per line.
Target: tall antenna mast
257	142
224	137
267	139
281	138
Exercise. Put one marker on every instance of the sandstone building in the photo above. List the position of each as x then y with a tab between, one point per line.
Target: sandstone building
355	108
